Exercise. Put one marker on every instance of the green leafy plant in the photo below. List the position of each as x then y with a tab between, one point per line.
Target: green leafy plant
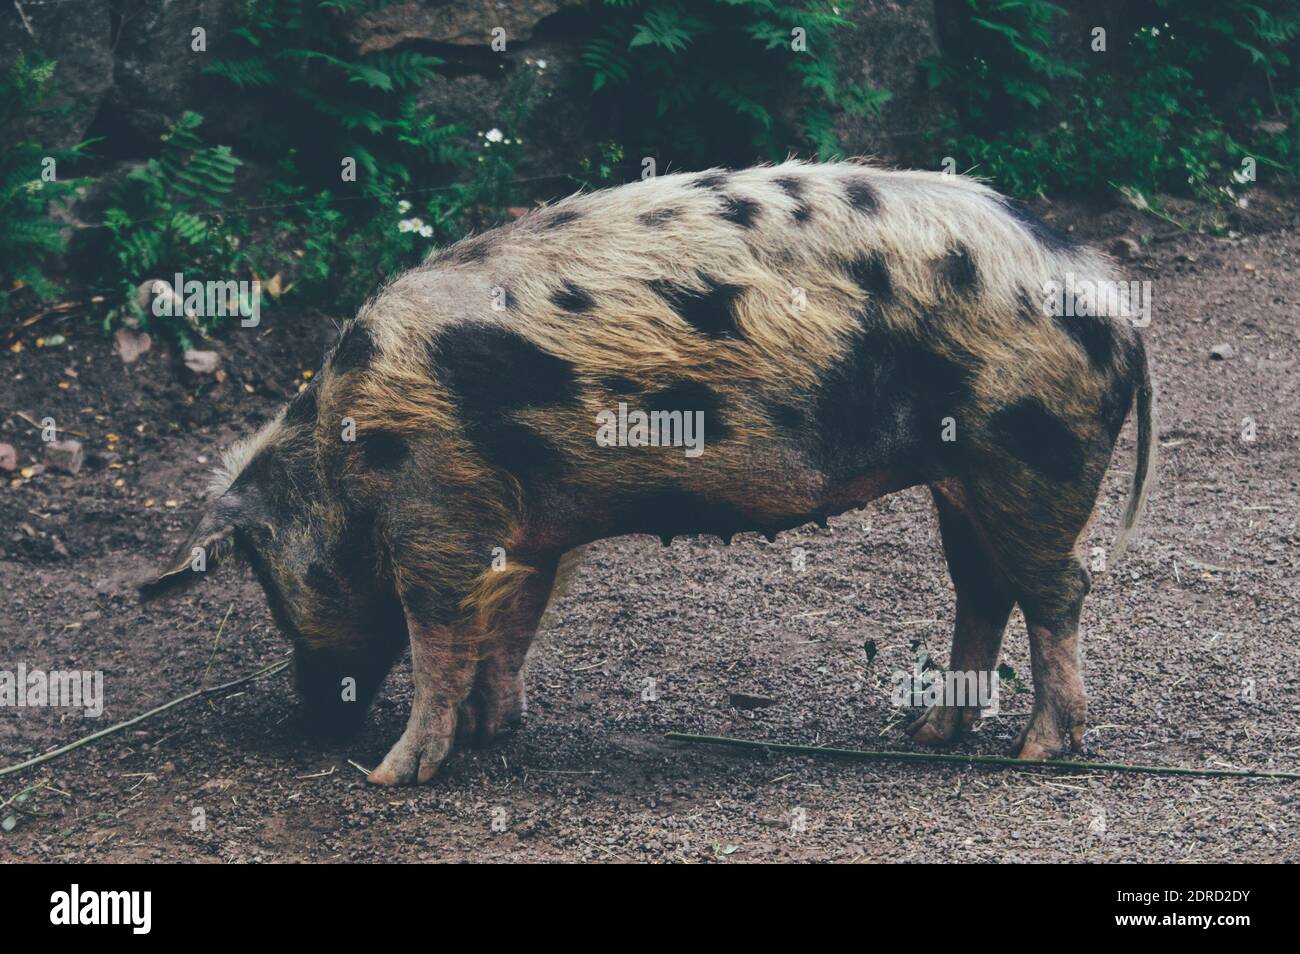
361	108
335	110
1159	110
29	185
600	169
717	81
167	218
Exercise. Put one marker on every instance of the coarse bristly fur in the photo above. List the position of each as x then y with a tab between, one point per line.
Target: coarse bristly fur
846	331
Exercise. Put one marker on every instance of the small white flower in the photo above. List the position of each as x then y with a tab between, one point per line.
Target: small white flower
403	207
541	64
404	225
494	135
36	185
426	231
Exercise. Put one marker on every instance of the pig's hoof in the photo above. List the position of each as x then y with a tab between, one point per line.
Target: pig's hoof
415	758
481	719
1045	736
940	725
483	715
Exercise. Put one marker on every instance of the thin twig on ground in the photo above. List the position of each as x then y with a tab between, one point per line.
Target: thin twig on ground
55	753
1061	765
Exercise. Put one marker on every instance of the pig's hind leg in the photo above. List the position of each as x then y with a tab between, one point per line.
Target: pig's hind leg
1004	547
984	603
1032	508
1030	474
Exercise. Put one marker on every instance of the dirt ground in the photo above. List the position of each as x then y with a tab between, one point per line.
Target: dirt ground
1206	601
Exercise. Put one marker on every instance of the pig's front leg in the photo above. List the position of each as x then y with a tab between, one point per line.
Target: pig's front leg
497	700
443	663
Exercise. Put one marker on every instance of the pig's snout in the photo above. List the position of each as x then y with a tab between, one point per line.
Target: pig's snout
336	688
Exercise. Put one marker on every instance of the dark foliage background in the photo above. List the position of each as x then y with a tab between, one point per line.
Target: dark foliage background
227	155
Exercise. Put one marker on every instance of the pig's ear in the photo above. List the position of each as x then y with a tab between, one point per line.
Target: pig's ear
208	543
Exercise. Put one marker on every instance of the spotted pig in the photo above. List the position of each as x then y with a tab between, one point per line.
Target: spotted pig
839	331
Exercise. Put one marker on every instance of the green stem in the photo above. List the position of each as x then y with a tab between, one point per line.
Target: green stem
1059	765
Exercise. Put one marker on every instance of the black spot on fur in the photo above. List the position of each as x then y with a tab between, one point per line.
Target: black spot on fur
467	252
302	409
320	579
1050	238
619	384
658	217
1030	310
1095	335
714	180
790	186
871	274
491	369
689	397
862	195
424	603
384	450
355	350
472	252
572	299
793	187
560	219
959	270
880	407
788	416
711	312
1039	438
870	317
741	211
518	448
494	372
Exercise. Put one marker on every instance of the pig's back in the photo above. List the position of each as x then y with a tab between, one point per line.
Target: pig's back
835	312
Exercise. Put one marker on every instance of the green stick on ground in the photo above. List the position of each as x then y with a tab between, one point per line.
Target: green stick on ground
861	755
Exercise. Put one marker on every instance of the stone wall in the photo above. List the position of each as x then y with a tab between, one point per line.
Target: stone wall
125	77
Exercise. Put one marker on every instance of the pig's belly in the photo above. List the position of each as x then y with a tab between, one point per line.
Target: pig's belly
560	518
